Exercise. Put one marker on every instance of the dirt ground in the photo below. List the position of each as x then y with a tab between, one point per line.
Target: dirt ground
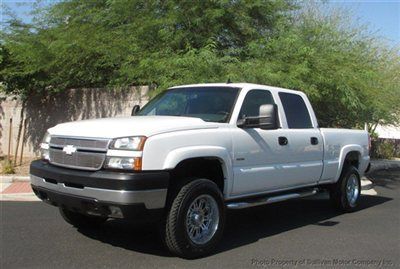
20	169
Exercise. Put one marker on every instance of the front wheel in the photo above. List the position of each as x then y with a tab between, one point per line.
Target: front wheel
196	219
346	192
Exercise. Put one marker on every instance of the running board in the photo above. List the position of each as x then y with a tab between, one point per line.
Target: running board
270	199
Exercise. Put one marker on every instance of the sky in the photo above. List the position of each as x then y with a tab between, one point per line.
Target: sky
382	16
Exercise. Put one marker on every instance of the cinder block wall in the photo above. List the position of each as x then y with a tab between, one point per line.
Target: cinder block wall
71	105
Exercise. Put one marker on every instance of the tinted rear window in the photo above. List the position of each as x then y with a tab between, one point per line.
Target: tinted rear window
296	111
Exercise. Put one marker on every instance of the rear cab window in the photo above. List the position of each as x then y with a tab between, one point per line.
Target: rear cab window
297	114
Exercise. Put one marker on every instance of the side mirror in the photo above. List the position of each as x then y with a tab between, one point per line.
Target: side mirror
267	119
135	110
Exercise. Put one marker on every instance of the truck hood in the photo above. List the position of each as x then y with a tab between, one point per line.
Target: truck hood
129	126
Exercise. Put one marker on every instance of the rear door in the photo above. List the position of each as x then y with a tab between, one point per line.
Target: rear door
305	141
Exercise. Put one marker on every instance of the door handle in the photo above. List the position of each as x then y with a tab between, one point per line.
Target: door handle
314	141
283	141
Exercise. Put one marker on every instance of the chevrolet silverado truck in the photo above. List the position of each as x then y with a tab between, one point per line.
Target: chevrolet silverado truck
192	153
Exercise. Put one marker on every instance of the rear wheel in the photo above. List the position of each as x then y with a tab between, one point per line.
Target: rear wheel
79	220
195	221
346	192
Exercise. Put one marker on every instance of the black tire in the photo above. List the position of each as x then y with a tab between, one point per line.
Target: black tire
176	235
338	191
79	220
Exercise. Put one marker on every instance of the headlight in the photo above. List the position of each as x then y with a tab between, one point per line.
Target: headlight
44	147
120	158
128	143
126	163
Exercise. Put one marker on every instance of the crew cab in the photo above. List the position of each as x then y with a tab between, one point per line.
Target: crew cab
192	153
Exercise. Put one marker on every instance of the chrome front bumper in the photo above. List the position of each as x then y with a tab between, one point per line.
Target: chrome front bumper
152	199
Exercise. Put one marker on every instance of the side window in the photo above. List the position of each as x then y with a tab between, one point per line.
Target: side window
296	111
252	102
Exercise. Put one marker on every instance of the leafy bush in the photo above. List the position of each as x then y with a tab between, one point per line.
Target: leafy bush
350	75
383	149
7	167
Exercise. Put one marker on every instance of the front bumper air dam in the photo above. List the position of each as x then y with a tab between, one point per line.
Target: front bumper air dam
116	194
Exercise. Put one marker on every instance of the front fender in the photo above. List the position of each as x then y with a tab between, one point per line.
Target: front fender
176	156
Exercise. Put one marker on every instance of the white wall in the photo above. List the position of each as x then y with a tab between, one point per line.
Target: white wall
388	131
72	105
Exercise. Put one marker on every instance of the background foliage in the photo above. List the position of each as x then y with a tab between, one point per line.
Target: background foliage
350	75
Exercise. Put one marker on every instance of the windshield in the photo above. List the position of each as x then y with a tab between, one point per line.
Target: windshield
213	104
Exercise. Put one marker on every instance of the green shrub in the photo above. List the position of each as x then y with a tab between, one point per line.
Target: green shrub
385	151
7	167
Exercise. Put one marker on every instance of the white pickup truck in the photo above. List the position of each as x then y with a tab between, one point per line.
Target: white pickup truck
193	152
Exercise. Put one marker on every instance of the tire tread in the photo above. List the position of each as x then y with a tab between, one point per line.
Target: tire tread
175	243
337	191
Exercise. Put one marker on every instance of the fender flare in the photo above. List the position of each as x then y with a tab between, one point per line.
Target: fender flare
178	155
343	154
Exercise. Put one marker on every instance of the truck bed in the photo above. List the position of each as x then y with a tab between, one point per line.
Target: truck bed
337	144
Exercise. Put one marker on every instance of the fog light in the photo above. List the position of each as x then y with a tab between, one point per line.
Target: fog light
115	212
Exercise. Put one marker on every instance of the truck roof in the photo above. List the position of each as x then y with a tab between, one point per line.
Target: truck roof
239	85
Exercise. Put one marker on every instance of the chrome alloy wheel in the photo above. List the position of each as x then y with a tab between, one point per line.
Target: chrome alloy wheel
202	219
352	189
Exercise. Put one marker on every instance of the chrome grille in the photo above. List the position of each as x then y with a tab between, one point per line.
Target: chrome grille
90	144
89	155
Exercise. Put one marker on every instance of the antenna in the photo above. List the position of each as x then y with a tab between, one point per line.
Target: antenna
229	81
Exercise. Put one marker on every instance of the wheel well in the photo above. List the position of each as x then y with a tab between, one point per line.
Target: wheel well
353	159
204	167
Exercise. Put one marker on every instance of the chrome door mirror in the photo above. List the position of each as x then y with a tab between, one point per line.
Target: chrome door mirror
266	120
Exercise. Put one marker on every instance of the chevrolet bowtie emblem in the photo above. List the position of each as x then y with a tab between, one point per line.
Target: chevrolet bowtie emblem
69	149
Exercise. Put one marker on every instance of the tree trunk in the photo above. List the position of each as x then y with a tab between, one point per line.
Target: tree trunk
20	125
372	127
